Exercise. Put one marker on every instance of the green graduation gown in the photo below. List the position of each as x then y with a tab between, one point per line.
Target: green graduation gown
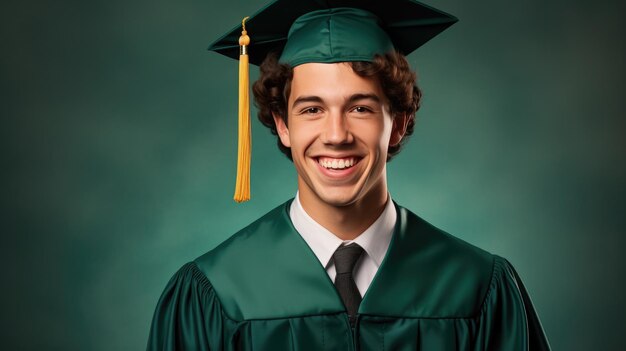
264	289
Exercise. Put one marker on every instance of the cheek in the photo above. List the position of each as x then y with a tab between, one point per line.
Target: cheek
302	134
376	134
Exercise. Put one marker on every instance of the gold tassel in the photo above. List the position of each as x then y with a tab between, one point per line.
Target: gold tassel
242	187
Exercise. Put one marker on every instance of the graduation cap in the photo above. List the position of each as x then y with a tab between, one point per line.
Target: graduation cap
321	31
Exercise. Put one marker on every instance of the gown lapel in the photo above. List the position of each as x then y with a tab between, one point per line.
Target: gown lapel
427	273
268	271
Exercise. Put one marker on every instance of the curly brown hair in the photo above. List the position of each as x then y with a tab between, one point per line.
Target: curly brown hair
398	82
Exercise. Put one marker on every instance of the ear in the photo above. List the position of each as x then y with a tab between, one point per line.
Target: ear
282	130
398	129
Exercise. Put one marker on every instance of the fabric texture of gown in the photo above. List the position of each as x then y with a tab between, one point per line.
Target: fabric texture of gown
264	289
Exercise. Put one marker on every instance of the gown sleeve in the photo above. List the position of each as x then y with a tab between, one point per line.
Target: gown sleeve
508	320
188	314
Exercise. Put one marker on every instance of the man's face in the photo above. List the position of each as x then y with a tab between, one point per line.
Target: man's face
339	130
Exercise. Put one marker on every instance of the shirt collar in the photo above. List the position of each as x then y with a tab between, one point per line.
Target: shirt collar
374	240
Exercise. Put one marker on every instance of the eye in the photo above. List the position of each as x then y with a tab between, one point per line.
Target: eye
311	110
361	109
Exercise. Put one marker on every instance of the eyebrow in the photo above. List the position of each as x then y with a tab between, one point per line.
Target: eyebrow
303	99
358	97
353	98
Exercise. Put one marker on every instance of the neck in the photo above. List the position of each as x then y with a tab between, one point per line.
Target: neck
346	221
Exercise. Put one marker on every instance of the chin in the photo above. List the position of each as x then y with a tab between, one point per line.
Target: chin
338	198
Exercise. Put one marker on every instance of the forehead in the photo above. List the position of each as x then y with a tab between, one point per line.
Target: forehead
331	80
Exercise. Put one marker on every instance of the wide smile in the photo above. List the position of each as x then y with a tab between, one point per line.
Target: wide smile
337	167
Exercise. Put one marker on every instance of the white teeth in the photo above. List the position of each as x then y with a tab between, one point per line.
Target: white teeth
336	163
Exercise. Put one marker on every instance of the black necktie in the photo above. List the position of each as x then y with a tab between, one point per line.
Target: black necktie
345	259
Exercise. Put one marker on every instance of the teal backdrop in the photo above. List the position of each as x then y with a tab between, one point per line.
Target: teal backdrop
118	137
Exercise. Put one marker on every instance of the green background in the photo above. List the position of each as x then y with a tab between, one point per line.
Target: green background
118	158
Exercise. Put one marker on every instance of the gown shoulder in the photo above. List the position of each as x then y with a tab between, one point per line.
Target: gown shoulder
188	315
508	320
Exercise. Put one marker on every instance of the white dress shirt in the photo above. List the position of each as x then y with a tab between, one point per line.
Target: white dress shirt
374	241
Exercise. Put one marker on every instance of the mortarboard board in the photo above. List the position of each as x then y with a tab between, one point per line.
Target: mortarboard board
322	31
408	23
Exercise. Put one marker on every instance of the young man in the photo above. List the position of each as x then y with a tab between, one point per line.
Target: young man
341	266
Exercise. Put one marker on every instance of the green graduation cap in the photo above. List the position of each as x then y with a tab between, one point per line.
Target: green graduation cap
322	31
319	29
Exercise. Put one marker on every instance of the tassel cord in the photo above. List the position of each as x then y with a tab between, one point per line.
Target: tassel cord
244	148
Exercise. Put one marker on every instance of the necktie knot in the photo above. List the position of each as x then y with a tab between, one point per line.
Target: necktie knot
346	257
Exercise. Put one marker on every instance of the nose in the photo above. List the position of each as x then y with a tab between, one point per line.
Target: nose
336	129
